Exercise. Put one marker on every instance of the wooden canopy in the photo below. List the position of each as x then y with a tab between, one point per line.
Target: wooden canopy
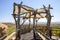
41	13
23	11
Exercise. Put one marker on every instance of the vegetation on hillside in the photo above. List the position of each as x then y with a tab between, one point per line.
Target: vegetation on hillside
11	28
42	27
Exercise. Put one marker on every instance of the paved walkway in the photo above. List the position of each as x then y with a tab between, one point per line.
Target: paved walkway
27	36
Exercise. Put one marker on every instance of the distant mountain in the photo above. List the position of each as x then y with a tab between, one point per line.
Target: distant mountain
55	22
51	22
32	23
9	23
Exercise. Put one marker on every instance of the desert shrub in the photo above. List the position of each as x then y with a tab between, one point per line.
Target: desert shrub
3	30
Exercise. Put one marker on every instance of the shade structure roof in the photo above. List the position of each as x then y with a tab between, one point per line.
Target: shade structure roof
37	16
41	12
23	11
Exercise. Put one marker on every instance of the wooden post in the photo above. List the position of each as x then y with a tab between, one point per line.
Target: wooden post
18	33
14	15
48	26
34	25
48	16
48	22
29	20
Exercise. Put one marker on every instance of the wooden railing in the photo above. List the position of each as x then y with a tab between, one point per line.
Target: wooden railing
3	37
42	35
10	36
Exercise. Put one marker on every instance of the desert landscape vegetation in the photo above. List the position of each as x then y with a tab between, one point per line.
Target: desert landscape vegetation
26	28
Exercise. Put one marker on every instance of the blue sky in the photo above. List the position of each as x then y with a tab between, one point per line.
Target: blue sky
6	8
